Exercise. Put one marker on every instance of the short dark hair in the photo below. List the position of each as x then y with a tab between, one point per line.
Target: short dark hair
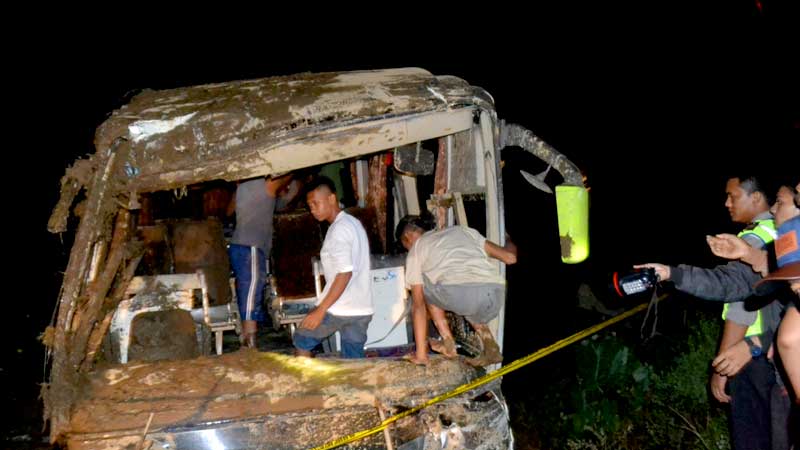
412	222
752	183
319	182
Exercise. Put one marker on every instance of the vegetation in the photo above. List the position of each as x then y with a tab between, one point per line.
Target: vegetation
613	391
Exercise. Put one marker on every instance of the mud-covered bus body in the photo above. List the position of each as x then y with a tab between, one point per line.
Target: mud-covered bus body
395	123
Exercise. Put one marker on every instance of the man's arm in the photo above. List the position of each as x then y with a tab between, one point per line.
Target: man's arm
420	320
503	254
731	360
288	194
732	282
732	334
275	185
314	318
726	283
733	247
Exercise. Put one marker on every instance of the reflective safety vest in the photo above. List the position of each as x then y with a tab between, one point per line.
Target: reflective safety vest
765	230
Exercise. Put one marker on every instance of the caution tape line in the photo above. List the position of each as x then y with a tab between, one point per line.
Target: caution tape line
508	368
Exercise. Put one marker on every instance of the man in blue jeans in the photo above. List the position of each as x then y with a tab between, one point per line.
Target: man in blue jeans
345	305
250	247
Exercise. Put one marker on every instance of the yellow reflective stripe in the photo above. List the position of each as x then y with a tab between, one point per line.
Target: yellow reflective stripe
771	232
753	330
764	229
486	378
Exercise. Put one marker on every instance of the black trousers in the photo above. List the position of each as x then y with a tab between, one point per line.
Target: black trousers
755	421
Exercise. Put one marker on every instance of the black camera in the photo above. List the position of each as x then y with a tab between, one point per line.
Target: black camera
636	282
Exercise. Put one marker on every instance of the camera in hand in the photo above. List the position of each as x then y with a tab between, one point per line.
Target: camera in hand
636	282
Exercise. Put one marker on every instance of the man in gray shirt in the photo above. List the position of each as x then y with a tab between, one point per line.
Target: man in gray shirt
745	332
250	248
450	270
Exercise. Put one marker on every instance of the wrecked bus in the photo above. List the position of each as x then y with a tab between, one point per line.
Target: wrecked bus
136	356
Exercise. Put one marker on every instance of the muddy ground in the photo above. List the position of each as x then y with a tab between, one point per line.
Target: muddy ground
25	431
21	375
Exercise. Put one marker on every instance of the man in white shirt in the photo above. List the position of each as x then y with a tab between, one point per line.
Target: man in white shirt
345	304
450	270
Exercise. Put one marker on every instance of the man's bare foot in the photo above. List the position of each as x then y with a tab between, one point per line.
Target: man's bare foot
446	347
412	357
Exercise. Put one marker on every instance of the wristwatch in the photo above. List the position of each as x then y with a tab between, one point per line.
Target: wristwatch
755	350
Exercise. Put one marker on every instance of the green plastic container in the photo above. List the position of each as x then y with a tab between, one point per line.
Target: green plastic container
572	203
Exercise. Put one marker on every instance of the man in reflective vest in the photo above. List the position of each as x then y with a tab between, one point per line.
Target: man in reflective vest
746	336
758	234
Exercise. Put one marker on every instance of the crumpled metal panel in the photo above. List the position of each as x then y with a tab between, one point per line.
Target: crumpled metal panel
477	423
174	129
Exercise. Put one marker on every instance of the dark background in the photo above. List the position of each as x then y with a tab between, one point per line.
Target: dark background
658	102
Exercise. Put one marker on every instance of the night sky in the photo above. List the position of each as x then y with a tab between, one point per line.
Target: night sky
652	102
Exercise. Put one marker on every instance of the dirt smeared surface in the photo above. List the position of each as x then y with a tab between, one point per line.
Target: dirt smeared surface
205	119
515	135
376	195
157	258
173	138
176	133
473	423
566	245
76	177
250	384
265	400
200	244
70	348
163	335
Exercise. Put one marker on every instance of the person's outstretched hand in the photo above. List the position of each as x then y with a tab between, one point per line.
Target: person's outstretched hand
728	246
662	271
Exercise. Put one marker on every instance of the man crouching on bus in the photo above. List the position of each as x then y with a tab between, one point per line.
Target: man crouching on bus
450	270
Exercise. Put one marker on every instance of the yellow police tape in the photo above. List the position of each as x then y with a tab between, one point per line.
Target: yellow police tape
524	361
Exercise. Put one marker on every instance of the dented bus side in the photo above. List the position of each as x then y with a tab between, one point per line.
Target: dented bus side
398	125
